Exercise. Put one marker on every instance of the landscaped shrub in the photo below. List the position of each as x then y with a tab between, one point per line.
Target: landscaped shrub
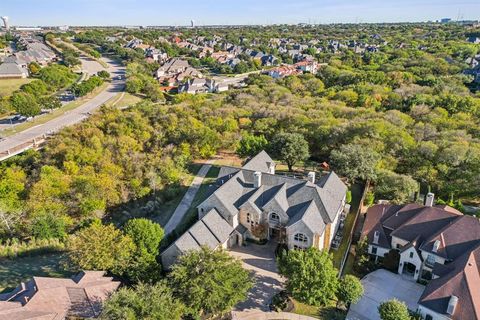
281	302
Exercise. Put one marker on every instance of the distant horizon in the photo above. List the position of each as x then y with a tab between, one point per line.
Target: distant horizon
112	13
240	25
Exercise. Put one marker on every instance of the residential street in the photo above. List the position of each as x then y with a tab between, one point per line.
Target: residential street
72	117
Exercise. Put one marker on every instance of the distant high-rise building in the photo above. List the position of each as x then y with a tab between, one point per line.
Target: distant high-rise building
5	23
192	23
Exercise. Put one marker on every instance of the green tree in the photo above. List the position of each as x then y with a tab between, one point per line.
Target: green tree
289	147
350	289
393	310
147	236
34	68
251	145
355	161
12	188
100	247
150	302
209	281
103	74
396	187
362	259
51	102
25	104
47	225
311	276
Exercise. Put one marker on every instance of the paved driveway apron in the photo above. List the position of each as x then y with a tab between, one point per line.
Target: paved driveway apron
382	285
260	260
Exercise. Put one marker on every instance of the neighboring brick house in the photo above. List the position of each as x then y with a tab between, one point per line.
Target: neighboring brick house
437	244
44	298
256	203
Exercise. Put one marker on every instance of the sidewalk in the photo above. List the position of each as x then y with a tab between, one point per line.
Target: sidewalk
187	199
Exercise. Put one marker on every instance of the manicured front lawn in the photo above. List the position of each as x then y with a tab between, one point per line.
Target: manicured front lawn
12	272
8	86
325	313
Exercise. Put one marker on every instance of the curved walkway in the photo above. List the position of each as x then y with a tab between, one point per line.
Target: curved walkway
187	199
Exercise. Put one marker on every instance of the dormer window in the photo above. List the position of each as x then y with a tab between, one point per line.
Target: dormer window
274	217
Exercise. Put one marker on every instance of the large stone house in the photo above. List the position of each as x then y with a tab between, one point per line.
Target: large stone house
437	244
254	202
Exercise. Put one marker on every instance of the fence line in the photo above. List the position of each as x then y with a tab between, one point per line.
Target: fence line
352	231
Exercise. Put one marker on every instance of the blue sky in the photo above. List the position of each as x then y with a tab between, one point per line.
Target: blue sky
161	12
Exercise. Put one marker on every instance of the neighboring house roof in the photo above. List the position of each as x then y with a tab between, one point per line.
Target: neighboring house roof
458	237
12	69
57	298
460	279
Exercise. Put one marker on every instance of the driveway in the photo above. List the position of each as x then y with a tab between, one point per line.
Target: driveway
260	260
382	285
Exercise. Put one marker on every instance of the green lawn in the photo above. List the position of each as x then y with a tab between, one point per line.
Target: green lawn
126	100
7	86
12	272
324	313
340	252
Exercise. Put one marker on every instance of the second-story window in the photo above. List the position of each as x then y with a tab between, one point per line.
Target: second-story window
300	237
274	217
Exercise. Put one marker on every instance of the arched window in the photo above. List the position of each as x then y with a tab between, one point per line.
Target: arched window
274	217
300	237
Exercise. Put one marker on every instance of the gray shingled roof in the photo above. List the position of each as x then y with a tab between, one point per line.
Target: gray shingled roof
211	231
11	69
292	194
261	162
203	235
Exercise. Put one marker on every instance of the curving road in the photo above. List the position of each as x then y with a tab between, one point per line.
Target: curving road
21	141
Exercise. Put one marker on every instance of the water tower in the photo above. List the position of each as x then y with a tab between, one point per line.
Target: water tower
5	23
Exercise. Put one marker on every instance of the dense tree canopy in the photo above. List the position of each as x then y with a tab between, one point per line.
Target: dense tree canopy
151	302
100	247
209	282
311	276
290	148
